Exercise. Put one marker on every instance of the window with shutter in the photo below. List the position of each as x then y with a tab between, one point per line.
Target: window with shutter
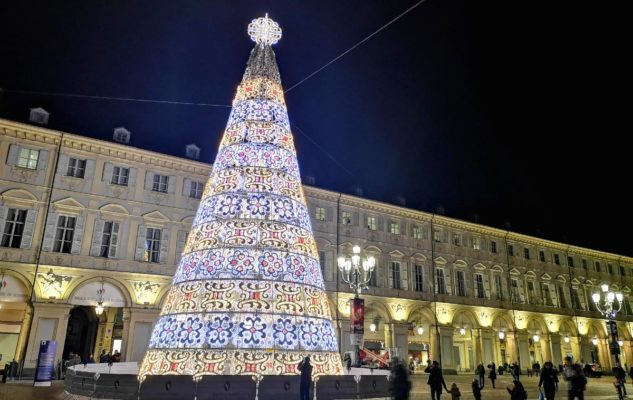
109	239
346	218
498	287
319	214
531	292
76	168
152	245
547	295
461	283
394	228
395	275
479	286
562	299
516	297
196	189
29	229
27	158
160	183
493	247
120	176
64	234
576	298
13	228
371	223
418	271
440	281
416	232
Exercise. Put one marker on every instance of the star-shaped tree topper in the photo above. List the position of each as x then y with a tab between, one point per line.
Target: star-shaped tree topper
264	30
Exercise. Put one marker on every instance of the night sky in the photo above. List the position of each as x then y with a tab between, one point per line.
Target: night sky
513	111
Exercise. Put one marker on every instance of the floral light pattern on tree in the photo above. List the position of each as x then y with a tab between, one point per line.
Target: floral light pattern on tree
248	295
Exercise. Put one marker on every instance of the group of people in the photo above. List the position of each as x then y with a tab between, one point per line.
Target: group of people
400	384
75	359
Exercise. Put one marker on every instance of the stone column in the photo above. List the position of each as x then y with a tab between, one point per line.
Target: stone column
388	336
24	332
477	347
511	347
434	354
50	321
140	326
545	353
400	340
556	349
606	360
126	333
524	351
627	353
575	342
446	345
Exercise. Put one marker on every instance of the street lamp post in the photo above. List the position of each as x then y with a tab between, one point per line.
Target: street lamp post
356	273
606	304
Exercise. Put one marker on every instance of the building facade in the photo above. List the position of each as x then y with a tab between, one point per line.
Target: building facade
88	222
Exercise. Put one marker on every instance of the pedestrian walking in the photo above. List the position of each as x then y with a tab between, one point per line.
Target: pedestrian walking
515	371
548	380
476	389
436	379
400	385
620	375
517	392
455	393
577	383
481	373
306	378
492	374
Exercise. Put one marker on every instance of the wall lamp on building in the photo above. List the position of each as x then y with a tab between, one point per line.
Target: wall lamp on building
594	341
502	335
462	331
620	342
420	330
536	338
355	272
566	339
99	307
373	327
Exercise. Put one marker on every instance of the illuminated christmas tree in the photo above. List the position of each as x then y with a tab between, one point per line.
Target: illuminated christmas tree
248	294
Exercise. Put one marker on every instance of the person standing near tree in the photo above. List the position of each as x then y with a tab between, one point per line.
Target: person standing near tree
306	378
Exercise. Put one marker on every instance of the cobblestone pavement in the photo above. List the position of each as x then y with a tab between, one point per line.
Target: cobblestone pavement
597	389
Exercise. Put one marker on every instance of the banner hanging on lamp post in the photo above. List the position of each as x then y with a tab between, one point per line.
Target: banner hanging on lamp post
357	320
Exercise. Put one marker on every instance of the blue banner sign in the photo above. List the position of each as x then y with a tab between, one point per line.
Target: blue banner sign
45	369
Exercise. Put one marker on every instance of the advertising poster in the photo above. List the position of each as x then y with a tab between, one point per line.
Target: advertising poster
45	368
357	321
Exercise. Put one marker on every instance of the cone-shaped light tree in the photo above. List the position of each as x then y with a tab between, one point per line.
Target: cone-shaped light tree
248	294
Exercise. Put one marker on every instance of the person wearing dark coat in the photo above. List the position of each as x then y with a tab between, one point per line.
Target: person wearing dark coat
517	392
476	389
620	375
436	380
306	378
548	380
400	386
492	374
481	373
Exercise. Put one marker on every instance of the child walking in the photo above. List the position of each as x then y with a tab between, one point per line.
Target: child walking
455	394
